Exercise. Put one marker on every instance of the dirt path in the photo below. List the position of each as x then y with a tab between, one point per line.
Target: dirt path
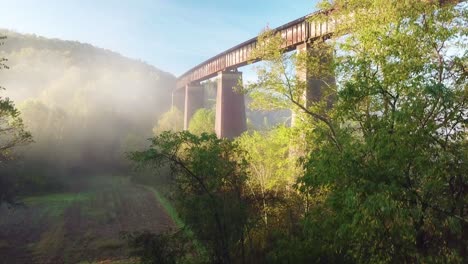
81	226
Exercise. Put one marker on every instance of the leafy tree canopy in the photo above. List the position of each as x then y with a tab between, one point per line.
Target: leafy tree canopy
202	121
12	134
387	164
172	120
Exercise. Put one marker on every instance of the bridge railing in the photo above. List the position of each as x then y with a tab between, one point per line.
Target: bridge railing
294	33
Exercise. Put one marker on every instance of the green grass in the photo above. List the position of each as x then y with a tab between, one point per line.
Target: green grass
171	211
55	204
99	203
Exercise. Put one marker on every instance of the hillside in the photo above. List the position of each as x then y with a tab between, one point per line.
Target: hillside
85	106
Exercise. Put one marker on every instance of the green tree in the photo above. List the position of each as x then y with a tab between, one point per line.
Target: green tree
271	171
209	188
281	85
386	170
12	134
12	130
203	121
172	120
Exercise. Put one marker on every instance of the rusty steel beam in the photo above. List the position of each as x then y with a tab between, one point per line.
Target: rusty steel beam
294	33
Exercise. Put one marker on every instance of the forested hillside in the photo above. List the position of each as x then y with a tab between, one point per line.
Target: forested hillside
84	106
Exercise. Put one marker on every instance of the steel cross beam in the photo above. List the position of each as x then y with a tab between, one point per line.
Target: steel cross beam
294	33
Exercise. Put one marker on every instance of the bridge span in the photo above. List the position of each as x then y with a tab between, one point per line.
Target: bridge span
230	109
294	33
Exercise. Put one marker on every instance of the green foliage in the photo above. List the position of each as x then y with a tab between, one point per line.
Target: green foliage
271	92
267	155
383	151
203	121
385	170
172	120
12	135
165	248
397	182
55	204
284	81
209	181
167	207
12	130
272	172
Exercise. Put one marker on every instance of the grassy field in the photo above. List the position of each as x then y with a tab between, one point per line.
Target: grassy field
84	225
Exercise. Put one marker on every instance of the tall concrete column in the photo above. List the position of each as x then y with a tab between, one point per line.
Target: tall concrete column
193	101
230	106
319	83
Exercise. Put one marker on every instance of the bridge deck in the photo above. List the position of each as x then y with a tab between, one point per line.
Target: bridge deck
294	33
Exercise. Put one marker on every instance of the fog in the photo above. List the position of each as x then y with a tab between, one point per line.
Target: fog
84	106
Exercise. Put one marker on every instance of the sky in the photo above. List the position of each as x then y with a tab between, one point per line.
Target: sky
173	35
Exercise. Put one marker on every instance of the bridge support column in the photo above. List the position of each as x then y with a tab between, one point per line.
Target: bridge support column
193	101
318	84
230	106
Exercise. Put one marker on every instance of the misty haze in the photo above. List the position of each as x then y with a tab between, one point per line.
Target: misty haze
313	131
